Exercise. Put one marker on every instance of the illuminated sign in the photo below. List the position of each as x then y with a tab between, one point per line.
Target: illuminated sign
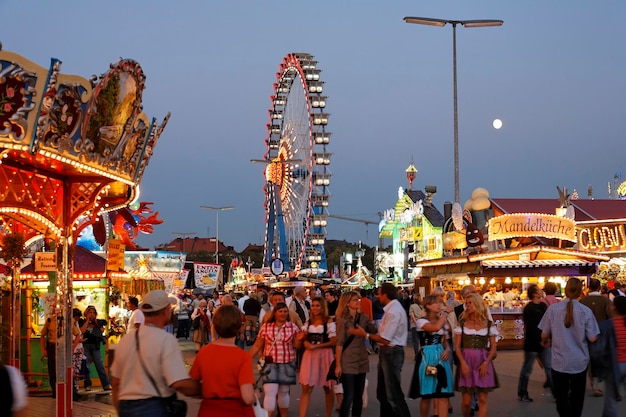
45	261
605	238
115	255
532	225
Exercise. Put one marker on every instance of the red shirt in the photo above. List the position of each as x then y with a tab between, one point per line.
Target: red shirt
620	337
366	308
222	370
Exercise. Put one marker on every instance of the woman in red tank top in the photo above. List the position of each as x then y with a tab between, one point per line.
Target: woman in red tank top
610	354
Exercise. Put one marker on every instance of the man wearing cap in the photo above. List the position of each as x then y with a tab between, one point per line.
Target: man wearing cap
149	352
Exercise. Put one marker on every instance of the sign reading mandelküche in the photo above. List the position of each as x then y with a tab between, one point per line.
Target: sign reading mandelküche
532	224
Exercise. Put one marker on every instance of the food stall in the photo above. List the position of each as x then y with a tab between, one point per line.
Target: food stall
90	280
517	266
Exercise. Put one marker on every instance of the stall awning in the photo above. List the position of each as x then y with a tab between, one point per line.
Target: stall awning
537	263
538	267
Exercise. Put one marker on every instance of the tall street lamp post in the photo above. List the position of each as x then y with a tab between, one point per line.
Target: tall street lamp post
468	24
217	226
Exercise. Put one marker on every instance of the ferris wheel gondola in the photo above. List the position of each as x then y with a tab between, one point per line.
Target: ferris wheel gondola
297	174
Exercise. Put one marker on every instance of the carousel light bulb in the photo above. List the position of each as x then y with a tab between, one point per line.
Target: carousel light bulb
481	281
492	281
507	280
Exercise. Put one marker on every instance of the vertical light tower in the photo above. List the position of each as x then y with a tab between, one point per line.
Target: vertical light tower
217	225
468	24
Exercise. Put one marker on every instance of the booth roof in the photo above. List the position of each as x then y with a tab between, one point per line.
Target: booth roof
586	210
85	262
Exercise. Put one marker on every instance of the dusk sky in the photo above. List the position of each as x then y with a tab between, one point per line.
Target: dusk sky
554	73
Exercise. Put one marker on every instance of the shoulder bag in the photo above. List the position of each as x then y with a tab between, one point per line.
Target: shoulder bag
265	360
331	376
174	406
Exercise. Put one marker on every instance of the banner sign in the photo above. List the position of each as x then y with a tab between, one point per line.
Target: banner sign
115	255
168	279
605	237
184	274
45	261
531	225
207	275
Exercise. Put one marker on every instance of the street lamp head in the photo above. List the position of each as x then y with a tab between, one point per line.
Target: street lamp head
428	21
217	208
481	23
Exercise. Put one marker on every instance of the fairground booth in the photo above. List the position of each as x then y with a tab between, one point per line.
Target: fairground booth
521	242
91	285
414	226
73	150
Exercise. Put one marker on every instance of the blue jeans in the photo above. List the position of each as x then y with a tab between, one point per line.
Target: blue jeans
416	342
569	392
150	407
92	352
611	392
353	386
389	389
527	368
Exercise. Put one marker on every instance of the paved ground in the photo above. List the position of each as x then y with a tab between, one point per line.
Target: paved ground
502	402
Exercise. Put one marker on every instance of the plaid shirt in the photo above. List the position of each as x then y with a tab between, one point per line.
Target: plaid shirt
283	350
570	353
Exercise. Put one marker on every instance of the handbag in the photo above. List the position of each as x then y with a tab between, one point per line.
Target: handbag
431	370
259	411
174	406
331	376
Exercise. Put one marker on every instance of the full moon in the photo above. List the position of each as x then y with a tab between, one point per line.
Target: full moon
497	123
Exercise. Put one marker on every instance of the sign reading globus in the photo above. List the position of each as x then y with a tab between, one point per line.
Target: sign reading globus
607	237
532	224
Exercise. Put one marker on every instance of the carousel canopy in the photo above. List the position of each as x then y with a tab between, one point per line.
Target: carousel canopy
71	148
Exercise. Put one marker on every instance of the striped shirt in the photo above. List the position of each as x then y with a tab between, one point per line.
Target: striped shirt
570	353
620	338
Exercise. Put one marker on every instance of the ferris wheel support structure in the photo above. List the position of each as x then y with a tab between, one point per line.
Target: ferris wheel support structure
297	173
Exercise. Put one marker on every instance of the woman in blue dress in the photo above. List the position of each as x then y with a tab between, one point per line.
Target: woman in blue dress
432	377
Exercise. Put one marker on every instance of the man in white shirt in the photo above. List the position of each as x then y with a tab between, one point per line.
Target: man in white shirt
136	316
391	339
150	352
242	300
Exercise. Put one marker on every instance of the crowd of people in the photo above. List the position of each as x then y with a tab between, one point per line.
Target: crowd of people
252	349
313	339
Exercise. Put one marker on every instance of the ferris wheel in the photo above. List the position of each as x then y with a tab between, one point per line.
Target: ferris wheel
297	174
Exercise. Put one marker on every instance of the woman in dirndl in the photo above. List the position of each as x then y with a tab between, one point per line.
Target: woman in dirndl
318	340
432	377
475	346
202	331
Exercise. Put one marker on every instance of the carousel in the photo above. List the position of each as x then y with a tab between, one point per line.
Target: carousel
72	150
